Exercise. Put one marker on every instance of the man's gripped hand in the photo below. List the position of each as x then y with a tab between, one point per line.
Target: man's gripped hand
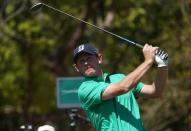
161	58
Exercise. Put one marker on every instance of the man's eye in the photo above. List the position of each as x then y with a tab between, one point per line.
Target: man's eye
81	62
89	58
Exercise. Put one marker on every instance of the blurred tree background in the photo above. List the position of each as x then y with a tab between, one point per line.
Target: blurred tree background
36	48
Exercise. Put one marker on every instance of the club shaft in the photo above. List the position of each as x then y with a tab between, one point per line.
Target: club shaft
113	34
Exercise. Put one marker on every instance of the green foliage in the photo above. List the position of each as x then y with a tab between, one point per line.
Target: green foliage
35	48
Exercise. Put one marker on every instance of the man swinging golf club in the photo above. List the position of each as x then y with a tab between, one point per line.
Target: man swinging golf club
110	100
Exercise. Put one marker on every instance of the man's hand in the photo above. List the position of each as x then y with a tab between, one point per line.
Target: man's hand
149	53
161	58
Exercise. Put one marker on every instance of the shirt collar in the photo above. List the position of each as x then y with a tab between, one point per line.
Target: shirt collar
97	78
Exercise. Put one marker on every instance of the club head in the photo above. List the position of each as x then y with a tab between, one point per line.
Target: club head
36	7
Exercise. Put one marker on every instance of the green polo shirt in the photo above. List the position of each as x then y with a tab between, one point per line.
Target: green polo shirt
117	114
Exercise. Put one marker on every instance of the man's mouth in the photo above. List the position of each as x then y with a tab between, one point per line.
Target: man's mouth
89	69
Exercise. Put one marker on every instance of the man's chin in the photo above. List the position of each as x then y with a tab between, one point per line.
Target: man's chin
90	74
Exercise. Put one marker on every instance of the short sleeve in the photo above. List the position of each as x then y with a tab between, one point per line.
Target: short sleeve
90	93
137	88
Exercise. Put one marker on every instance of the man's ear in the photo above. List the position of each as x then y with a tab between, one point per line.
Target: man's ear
100	58
76	68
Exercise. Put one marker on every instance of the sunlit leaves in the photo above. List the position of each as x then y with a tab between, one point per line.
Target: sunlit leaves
27	43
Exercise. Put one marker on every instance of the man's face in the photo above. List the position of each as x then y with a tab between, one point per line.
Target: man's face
88	64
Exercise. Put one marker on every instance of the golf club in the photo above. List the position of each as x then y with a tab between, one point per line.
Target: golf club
39	5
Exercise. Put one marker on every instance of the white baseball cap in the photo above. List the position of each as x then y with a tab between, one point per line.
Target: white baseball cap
46	128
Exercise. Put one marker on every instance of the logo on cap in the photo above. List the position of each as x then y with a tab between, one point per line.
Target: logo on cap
80	48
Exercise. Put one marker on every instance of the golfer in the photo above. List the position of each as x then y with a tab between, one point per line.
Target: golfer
109	100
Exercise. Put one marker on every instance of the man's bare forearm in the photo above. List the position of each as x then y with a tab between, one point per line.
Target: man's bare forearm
127	83
131	79
160	80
